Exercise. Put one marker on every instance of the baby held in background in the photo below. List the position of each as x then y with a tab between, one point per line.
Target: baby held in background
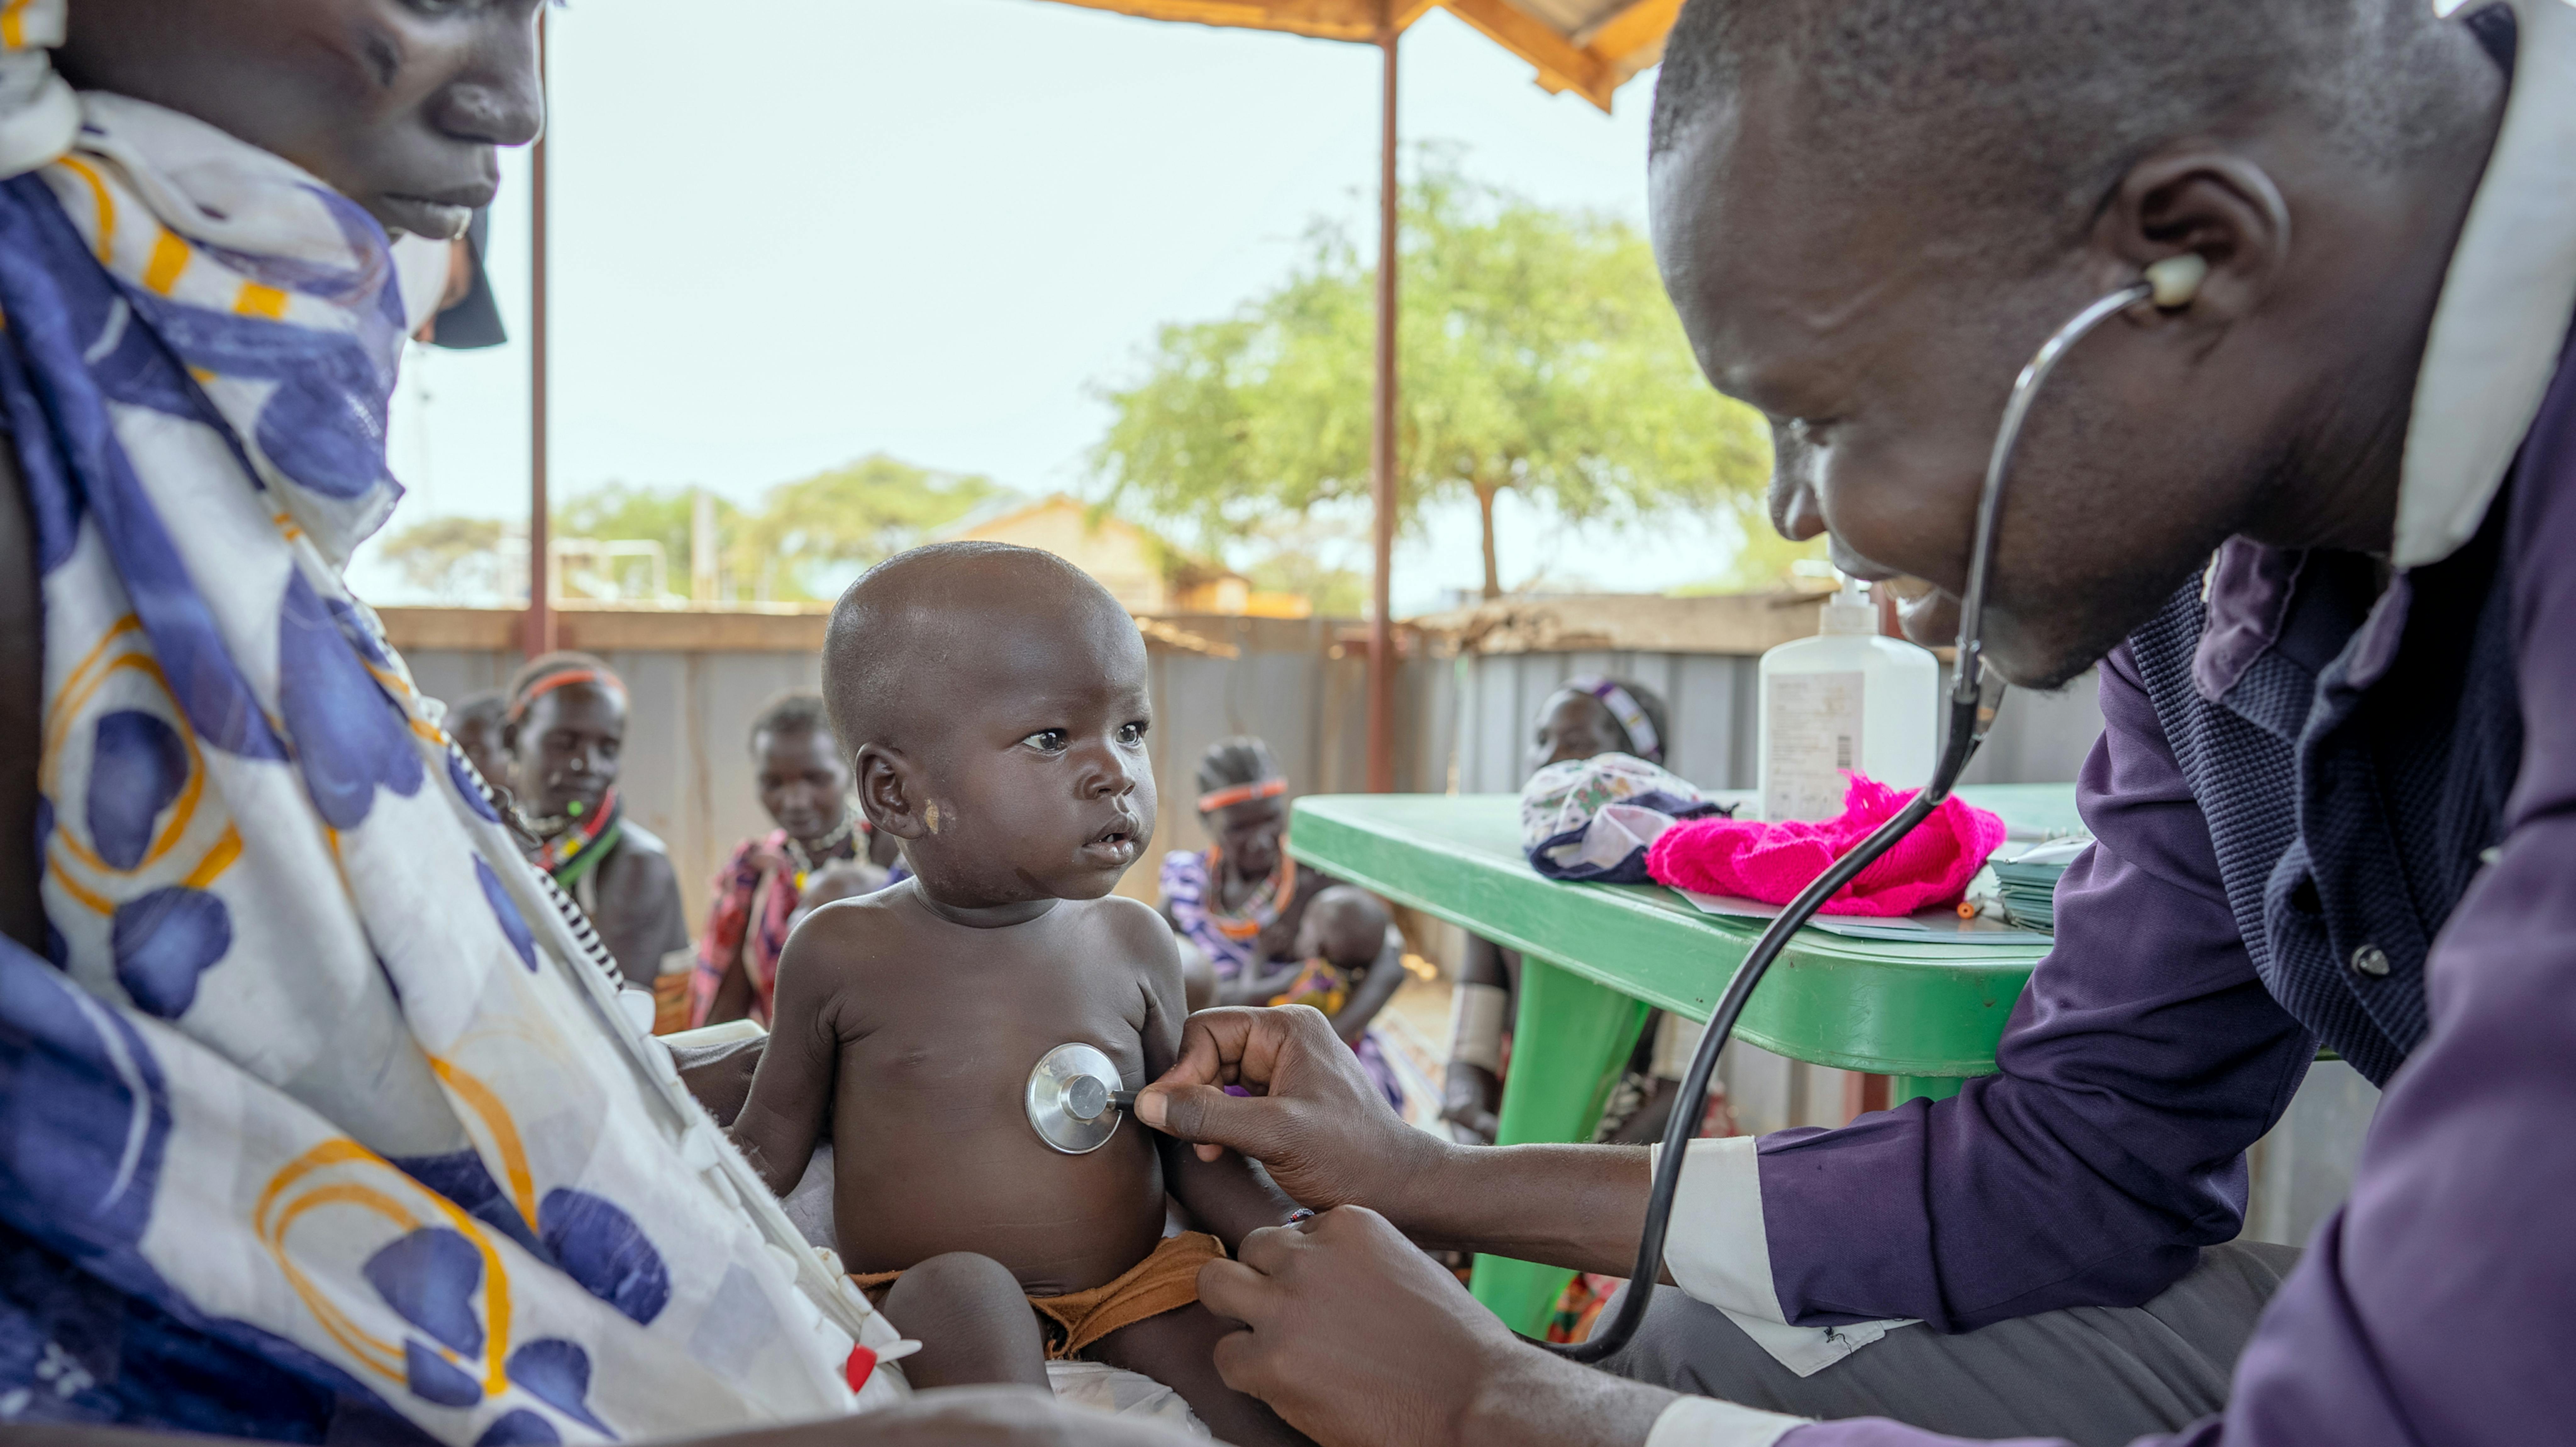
994	700
1349	964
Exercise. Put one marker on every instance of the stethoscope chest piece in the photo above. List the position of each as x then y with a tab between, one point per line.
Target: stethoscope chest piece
1069	1099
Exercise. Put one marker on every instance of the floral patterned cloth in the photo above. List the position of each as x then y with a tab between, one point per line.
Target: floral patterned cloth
322	1099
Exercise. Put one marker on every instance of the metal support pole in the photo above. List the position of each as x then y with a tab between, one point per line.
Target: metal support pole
539	635
1381	658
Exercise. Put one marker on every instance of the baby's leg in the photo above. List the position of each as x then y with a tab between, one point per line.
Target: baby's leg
1178	1349
973	1322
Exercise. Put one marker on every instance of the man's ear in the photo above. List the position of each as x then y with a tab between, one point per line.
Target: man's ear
888	792
2212	202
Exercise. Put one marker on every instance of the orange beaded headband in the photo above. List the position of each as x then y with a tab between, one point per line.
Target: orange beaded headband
566	679
1217	799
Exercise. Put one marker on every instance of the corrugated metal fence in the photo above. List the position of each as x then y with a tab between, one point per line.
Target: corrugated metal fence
1463	722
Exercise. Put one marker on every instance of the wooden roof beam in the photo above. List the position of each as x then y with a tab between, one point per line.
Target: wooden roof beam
1562	65
1625	37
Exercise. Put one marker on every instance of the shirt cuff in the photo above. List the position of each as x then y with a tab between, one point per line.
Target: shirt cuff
1707	1422
1719	1251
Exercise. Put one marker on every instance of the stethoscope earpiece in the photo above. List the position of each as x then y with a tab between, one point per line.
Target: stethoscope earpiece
2174	281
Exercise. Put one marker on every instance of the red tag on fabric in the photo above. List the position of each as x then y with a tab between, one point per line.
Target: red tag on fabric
861	1365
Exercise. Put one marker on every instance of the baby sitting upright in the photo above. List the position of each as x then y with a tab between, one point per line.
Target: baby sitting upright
995	700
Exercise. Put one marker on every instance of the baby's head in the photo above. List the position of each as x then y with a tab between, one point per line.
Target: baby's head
1343	924
994	701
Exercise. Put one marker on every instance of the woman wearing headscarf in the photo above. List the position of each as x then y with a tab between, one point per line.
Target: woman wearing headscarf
804	785
1243	900
565	729
321	1114
1584	717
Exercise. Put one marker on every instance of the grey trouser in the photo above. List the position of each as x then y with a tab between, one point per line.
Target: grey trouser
2097	1375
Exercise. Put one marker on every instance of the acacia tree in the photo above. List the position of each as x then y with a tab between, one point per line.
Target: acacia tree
811	536
1537	353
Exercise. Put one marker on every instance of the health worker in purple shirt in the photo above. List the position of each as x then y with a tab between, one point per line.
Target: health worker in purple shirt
2314	517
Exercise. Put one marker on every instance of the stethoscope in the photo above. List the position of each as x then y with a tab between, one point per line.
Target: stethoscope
1073	1100
1975	693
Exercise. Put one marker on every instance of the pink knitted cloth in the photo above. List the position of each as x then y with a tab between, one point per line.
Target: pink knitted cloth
1772	862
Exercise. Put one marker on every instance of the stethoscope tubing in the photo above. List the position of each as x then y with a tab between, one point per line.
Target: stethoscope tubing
1975	694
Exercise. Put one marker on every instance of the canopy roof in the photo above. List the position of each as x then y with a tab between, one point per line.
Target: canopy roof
1589	47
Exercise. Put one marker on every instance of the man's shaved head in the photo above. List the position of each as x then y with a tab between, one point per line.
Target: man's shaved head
900	618
1870	212
2026	112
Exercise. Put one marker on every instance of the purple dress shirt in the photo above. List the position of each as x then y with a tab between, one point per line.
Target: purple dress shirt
2153	1046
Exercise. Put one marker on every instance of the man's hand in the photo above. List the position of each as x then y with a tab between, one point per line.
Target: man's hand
1355	1337
1329	1139
1314	1121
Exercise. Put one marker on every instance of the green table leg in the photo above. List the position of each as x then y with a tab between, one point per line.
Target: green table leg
1902	1088
1568	1044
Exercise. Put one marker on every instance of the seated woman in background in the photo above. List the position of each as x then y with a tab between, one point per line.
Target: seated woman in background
1585	717
564	732
804	783
1244	904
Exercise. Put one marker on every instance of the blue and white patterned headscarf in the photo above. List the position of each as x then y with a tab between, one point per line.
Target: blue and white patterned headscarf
319	1081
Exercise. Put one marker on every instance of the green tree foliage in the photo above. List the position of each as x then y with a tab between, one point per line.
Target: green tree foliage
813	535
446	556
803	543
1764	560
1537	353
625	511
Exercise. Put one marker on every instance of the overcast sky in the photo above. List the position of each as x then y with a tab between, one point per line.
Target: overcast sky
933	229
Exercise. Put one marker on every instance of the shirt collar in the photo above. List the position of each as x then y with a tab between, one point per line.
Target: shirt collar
2505	303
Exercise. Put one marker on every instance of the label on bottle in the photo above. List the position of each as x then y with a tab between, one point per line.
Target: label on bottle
1812	744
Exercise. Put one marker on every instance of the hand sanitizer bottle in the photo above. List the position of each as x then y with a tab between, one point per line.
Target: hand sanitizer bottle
1847	700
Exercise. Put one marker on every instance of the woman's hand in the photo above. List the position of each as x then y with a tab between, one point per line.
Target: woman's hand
1356	1337
720	1075
1315	1121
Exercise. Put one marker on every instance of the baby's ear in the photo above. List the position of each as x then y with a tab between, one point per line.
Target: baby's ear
889	794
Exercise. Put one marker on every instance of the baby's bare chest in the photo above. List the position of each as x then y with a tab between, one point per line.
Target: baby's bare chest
970	1042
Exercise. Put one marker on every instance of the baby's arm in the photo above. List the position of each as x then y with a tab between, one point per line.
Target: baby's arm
791	1093
1385	973
1230	1196
1260	981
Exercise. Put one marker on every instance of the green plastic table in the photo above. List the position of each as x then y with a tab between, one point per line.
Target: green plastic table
1596	958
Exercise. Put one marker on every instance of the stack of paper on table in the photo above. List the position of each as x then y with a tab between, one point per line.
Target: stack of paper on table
2026	880
1931	926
